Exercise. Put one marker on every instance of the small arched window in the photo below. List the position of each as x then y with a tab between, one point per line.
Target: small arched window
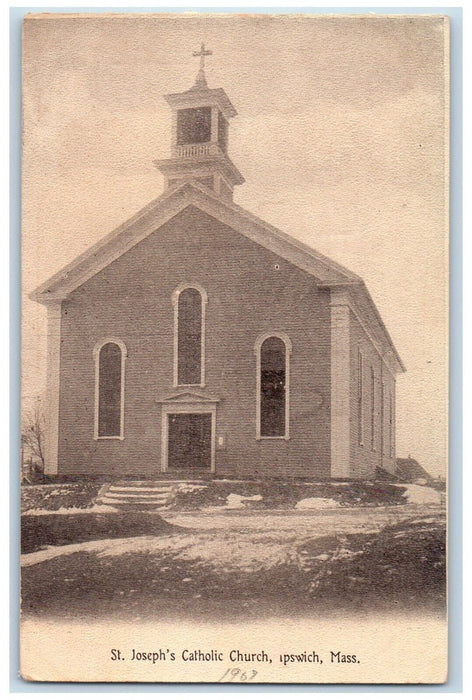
109	389
273	383
189	335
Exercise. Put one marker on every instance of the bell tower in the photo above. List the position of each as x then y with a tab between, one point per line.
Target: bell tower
199	147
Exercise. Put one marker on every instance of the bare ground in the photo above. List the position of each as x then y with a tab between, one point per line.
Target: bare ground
227	563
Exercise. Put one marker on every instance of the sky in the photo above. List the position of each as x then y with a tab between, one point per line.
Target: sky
340	136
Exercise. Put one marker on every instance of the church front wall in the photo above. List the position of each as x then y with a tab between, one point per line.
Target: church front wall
369	448
251	291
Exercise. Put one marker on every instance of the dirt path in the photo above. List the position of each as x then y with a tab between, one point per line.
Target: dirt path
242	538
242	563
304	523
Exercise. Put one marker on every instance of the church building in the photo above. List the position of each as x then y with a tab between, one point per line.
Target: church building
198	341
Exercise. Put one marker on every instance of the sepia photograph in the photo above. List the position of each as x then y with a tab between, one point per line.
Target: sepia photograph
234	359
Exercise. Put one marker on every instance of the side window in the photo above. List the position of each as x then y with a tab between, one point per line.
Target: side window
360	398
109	389
273	369
372	408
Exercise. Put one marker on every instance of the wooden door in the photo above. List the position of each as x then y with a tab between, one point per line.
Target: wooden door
189	442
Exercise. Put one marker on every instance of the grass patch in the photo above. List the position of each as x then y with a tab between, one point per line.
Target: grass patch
279	495
55	496
408	557
39	531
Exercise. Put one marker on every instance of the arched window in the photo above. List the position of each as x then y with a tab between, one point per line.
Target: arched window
189	335
273	385
360	398
110	358
372	409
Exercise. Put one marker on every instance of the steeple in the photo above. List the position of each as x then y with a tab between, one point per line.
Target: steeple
199	147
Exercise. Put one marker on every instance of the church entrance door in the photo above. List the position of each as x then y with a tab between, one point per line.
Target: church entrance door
189	442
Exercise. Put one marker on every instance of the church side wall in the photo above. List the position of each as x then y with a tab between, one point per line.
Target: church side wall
370	420
250	292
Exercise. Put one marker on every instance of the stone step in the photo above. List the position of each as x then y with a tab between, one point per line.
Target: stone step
126	505
158	483
138	491
138	488
116	502
131	495
132	499
135	497
141	495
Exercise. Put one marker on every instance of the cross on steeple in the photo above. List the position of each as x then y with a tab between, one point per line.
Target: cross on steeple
202	53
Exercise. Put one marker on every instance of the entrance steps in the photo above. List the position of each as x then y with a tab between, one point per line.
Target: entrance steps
139	495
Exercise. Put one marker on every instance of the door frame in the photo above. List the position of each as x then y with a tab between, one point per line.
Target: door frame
169	407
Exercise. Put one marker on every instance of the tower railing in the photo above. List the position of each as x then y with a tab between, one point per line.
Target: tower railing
193	150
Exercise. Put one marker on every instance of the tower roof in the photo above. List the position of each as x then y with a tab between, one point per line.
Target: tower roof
200	94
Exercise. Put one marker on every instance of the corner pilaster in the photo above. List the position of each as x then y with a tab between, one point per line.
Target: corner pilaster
54	311
340	385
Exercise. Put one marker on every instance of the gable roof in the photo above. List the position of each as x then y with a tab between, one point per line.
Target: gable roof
327	272
164	208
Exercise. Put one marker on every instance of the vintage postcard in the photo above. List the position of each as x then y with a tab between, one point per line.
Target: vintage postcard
234	348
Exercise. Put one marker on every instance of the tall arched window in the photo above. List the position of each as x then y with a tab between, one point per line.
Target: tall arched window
360	398
189	335
273	386
372	409
110	358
